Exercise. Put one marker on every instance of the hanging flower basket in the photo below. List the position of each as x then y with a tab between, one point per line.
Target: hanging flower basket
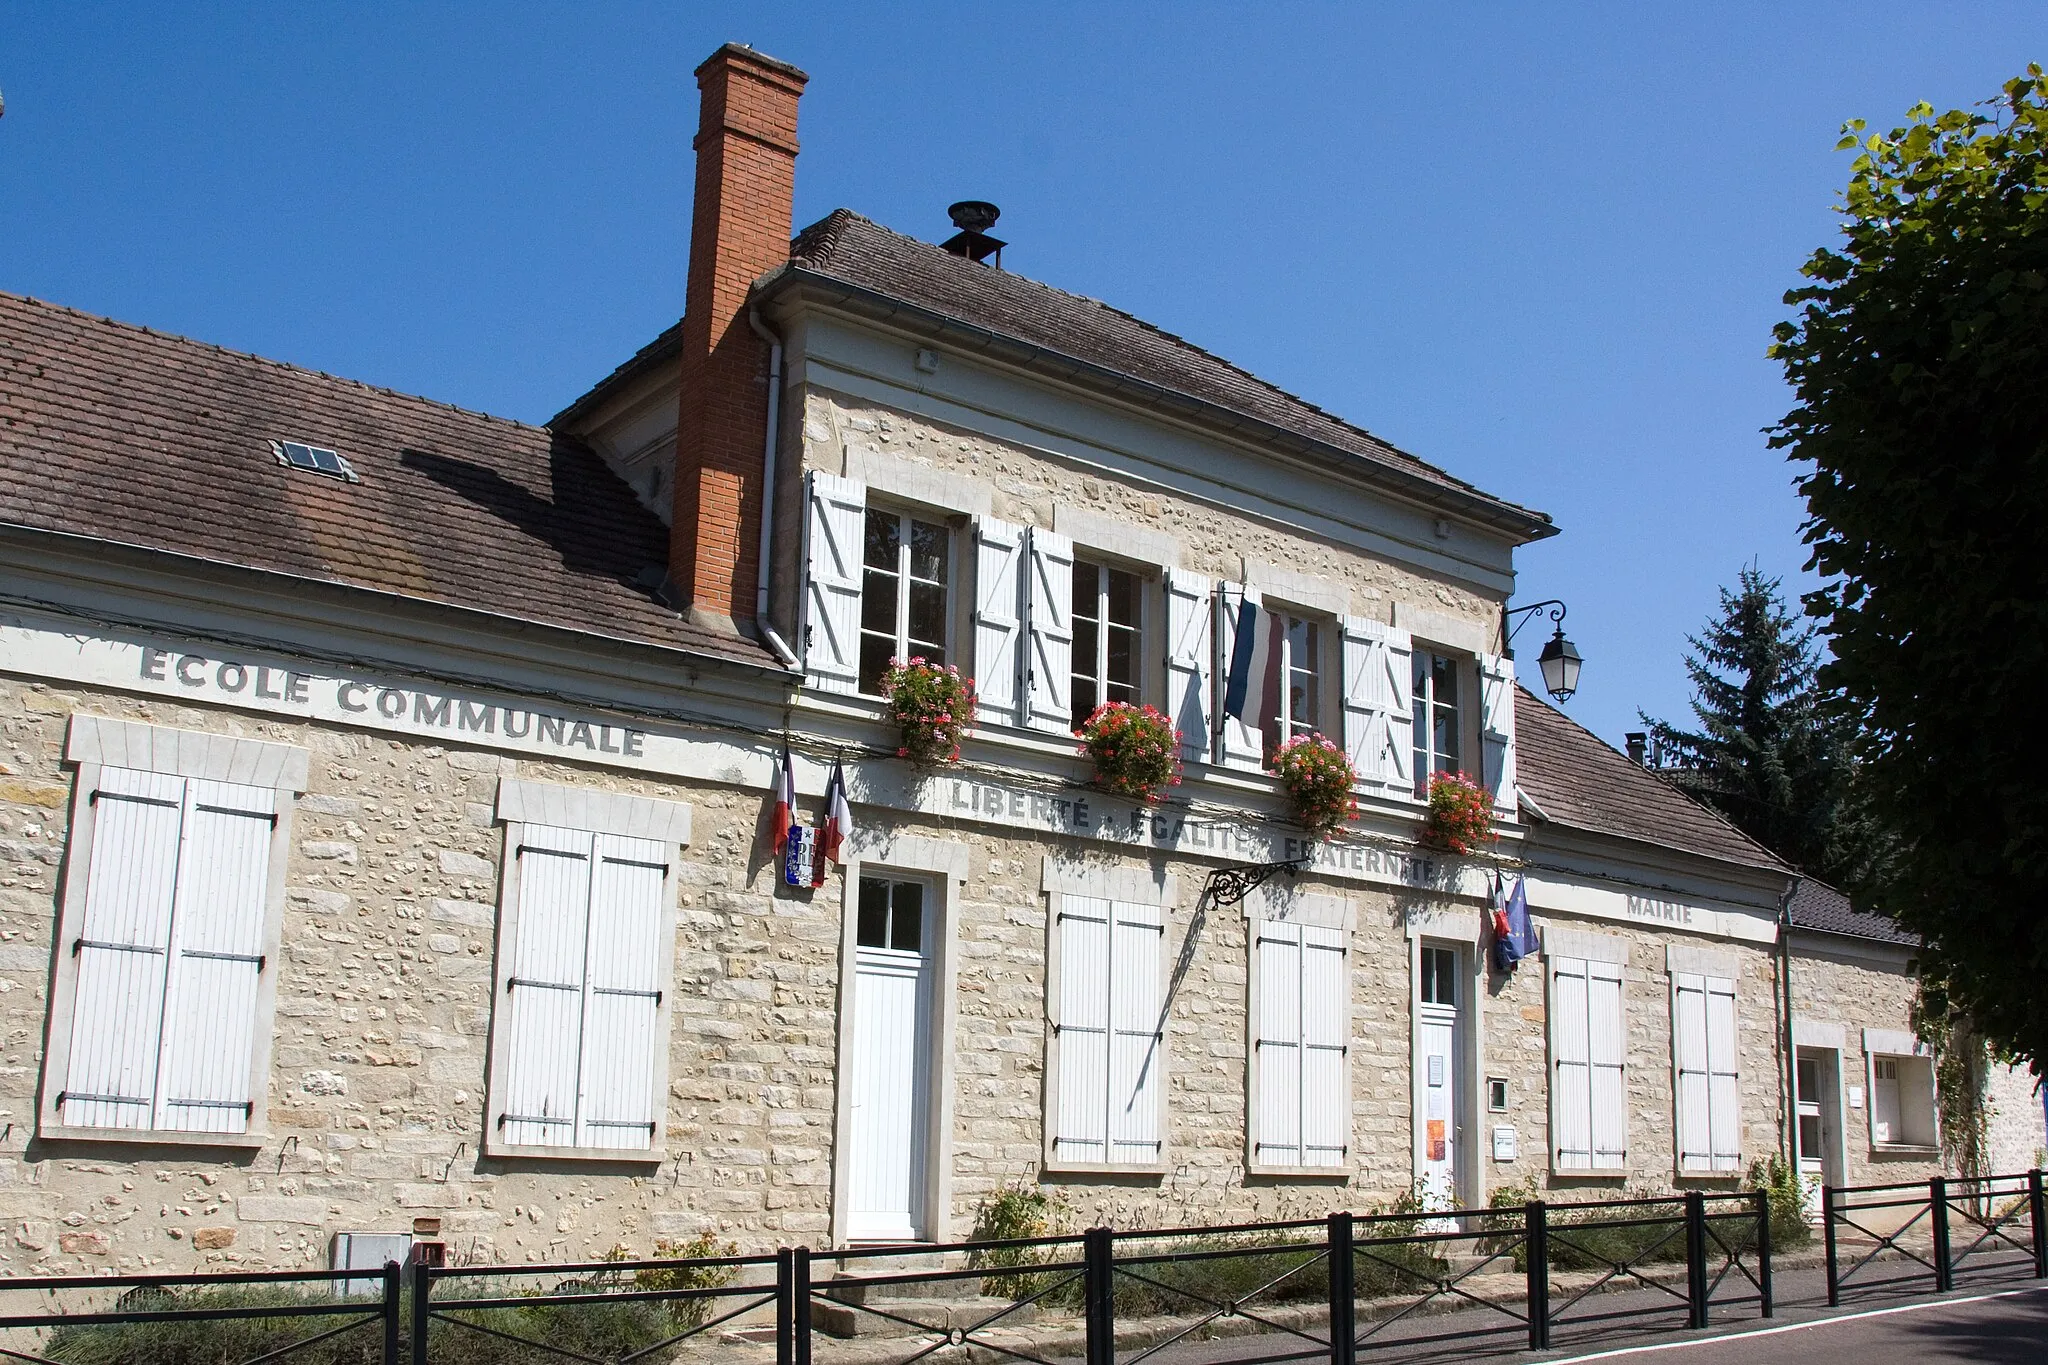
934	705
1135	748
1318	778
1460	818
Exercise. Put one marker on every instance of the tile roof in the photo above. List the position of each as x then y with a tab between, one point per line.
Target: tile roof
119	433
847	248
1578	780
1819	907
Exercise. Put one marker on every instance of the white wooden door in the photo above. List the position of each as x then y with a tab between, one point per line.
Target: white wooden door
888	1071
1436	1077
1813	1072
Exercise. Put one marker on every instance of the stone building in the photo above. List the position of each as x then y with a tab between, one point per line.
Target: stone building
388	787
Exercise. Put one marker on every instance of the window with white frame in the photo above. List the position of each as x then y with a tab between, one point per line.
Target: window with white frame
1588	1094
1437	724
579	1057
1901	1101
1108	1032
167	934
1108	627
1298	704
1301	1105
905	606
1704	1056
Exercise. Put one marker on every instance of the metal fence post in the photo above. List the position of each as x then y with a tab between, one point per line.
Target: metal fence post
422	1302
391	1312
1827	1235
1098	1295
800	1306
784	1316
1696	1257
1536	1253
1937	1198
1763	1252
2037	1214
1343	1293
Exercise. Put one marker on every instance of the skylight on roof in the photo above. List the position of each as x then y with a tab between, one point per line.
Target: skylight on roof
312	459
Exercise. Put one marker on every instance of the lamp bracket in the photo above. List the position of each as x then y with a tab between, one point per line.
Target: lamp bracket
1229	885
1557	611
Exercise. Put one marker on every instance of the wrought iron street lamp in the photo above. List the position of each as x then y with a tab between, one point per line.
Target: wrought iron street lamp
1560	659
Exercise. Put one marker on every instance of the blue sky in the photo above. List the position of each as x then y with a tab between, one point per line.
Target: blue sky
1541	246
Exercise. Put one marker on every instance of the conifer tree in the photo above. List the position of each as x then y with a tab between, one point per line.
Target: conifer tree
1771	751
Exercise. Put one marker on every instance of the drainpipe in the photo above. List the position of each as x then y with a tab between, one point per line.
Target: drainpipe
1789	1109
767	544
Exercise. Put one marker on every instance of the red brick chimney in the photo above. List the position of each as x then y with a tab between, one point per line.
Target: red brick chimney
739	230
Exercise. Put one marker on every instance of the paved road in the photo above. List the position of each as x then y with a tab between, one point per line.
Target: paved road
2010	1328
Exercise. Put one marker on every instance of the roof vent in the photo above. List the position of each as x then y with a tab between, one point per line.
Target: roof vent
312	459
974	217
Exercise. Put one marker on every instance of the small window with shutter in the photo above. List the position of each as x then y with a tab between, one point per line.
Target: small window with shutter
1588	1090
1301	1100
1703	1044
1108	1033
579	1060
167	935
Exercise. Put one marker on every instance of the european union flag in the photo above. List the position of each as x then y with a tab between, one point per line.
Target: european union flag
1514	938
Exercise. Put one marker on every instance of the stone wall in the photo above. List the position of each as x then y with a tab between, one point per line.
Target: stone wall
1215	541
1859	987
1517	1049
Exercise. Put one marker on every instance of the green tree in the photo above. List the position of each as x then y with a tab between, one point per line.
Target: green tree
1919	355
1770	751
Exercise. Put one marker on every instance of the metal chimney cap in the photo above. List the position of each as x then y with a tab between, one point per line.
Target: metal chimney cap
973	215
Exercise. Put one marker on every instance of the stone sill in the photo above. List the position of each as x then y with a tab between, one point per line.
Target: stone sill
1056	1167
1299	1172
153	1137
615	1156
1903	1149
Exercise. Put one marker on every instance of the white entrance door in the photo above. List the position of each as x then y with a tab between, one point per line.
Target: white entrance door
888	1070
1436	1077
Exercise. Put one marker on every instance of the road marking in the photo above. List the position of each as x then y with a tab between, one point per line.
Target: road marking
1790	1327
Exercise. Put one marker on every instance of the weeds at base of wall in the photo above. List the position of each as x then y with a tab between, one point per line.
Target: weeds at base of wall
1271	1267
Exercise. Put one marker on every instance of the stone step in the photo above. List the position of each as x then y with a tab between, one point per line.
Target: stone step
923	1314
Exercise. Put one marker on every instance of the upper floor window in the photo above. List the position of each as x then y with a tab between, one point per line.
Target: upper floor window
1299	704
906	565
1437	723
1106	636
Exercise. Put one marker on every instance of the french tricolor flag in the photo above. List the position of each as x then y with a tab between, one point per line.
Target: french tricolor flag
785	804
838	826
1252	691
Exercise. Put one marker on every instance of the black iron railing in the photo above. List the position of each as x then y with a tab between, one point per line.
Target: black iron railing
123	1316
1339	1289
1924	1234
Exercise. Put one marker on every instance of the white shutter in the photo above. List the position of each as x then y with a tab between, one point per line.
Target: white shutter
1325	1093
121	950
835	523
1238	745
1136	1032
1497	730
1190	628
1723	1083
616	1106
216	959
998	607
1689	1053
1049	666
1607	1054
1081	1120
1279	1138
1571	1103
544	996
1378	730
